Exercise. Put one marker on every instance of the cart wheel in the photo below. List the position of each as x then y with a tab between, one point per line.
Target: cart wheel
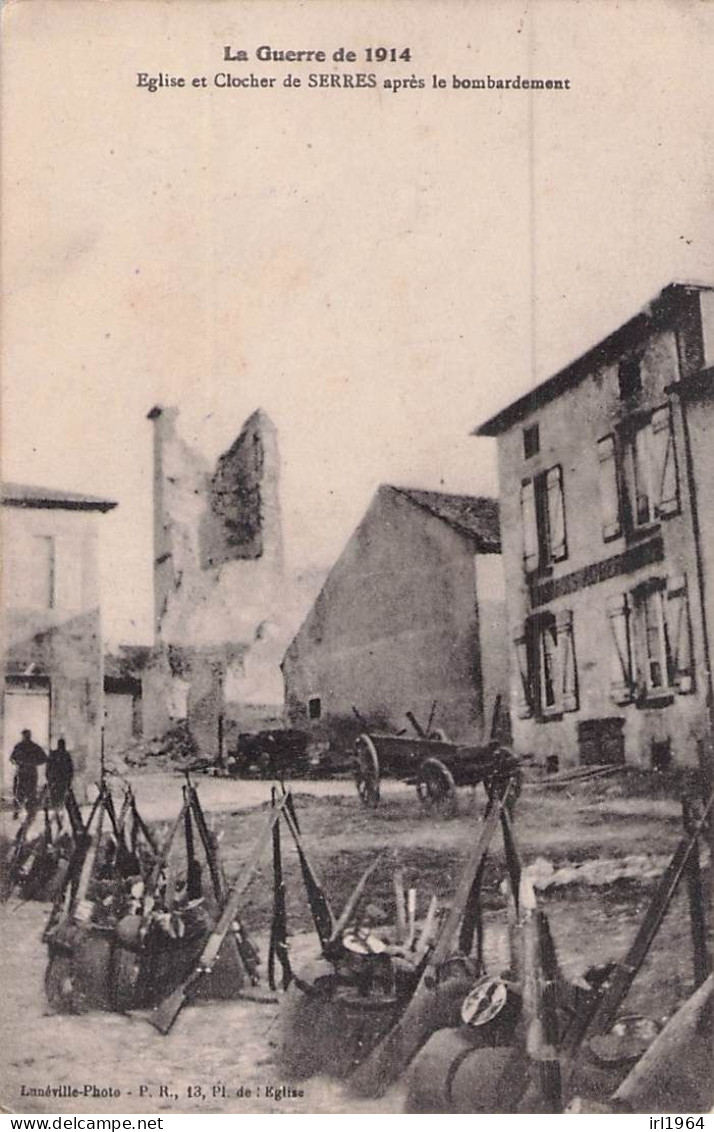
435	785
367	771
439	735
265	765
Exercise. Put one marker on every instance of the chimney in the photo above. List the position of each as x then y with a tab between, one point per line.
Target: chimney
164	421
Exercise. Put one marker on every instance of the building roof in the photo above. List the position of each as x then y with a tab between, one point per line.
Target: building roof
472	515
660	312
26	495
695	386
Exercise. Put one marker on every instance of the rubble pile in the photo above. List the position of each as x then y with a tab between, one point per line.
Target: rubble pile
175	750
601	873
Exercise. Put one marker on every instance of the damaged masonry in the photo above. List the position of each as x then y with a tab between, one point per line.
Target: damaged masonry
222	598
520	937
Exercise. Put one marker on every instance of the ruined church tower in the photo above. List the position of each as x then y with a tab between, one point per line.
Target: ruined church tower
218	542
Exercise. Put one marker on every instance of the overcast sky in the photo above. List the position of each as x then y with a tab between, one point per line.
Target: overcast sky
379	271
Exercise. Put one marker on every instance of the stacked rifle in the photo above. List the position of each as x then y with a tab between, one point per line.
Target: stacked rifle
131	917
140	925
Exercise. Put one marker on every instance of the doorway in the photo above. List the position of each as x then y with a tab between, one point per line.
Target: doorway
26	706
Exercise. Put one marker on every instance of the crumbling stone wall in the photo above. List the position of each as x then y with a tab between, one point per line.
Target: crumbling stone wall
243	521
218	537
218	571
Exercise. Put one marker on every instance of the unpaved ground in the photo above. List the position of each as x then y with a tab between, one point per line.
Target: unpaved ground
156	793
231	1045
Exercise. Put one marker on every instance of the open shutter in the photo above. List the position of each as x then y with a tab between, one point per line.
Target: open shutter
664	463
523	688
557	545
609	489
530	526
566	651
679	636
622	682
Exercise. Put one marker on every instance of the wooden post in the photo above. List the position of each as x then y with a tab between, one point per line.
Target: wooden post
695	894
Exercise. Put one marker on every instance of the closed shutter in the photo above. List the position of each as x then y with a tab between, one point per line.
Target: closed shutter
609	489
622	683
523	688
664	464
557	545
679	636
530	526
568	669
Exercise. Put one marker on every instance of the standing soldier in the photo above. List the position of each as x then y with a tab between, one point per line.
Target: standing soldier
26	756
58	773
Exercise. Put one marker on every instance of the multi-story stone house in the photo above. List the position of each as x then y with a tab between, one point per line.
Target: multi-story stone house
607	523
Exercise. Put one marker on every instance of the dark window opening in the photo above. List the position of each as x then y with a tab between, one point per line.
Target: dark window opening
661	755
314	707
630	378
531	441
547	670
543	514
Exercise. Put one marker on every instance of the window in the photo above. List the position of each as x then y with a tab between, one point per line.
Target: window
622	674
610	502
547	683
523	691
41	573
630	378
548	674
531	441
314	707
656	645
543	515
679	635
651	642
642	495
653	483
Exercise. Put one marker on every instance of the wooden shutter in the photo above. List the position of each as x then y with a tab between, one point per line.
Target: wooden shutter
679	636
610	508
523	687
622	682
665	484
530	526
566	653
557	546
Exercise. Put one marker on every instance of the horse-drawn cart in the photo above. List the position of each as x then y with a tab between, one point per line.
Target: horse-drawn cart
431	762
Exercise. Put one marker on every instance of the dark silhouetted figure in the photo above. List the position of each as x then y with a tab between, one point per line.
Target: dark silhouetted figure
59	773
26	756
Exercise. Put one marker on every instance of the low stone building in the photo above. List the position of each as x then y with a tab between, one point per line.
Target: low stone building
607	516
410	615
53	638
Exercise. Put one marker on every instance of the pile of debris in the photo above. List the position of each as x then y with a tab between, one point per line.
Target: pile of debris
175	750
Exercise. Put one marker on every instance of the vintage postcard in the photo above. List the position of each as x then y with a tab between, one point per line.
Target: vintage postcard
358	557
